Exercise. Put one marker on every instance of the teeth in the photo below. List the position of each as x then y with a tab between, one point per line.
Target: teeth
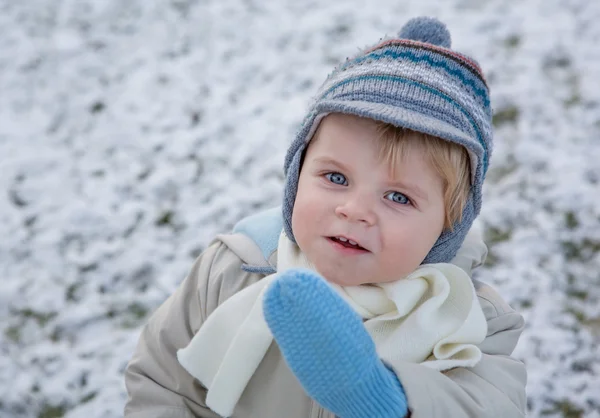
349	241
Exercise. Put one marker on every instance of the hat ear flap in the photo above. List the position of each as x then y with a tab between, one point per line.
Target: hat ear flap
291	189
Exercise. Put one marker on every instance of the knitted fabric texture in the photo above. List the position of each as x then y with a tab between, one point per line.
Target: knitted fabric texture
417	82
329	350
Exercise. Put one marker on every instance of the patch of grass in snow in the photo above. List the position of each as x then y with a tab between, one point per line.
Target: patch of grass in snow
13	333
563	408
165	219
592	324
577	294
506	115
557	60
495	235
56	335
492	259
513	41
71	292
573	100
88	397
577	314
574	84
492	237
499	172
571	221
97	107
522	304
583	366
134	314
580	251
52	411
572	289
130	316
168	219
41	318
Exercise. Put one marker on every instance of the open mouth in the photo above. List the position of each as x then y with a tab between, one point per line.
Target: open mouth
347	243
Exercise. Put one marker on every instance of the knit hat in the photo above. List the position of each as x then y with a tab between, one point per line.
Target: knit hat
413	81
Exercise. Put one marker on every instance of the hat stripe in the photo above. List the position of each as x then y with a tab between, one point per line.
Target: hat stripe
460	58
480	92
431	90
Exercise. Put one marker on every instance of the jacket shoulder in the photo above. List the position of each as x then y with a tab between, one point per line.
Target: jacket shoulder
505	325
238	259
254	240
263	229
492	303
219	274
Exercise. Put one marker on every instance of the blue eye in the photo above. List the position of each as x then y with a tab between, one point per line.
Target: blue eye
337	178
398	197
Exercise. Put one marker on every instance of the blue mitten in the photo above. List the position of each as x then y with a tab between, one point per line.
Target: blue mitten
327	347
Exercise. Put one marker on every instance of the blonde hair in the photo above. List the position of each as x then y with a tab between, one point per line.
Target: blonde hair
449	160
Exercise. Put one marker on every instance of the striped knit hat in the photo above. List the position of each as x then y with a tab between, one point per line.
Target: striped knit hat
417	82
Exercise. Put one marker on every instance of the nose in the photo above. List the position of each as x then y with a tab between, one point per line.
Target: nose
357	208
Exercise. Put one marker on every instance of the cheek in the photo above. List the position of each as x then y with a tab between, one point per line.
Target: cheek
303	212
429	231
413	240
309	197
305	225
436	225
298	217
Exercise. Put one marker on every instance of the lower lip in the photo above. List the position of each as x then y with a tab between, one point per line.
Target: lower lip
346	250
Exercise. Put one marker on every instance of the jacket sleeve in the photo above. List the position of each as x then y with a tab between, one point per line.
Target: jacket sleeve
494	388
157	385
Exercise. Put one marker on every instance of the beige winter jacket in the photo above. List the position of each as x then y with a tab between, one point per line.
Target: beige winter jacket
159	387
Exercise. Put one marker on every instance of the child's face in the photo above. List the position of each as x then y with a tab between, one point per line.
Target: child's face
345	191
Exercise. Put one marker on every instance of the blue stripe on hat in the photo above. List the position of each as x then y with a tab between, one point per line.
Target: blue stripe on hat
379	54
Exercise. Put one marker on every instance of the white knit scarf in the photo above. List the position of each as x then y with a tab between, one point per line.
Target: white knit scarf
431	317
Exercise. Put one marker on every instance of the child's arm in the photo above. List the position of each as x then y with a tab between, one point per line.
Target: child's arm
157	384
331	353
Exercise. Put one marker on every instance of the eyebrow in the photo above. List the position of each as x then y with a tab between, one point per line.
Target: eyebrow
413	189
329	160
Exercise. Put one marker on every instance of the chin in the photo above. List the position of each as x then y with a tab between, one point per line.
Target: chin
335	280
343	279
340	274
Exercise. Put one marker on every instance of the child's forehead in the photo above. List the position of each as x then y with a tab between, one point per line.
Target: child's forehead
351	133
346	121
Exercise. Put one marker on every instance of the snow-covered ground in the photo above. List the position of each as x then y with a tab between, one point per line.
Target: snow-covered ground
133	131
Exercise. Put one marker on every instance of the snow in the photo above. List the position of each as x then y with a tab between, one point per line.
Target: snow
132	132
